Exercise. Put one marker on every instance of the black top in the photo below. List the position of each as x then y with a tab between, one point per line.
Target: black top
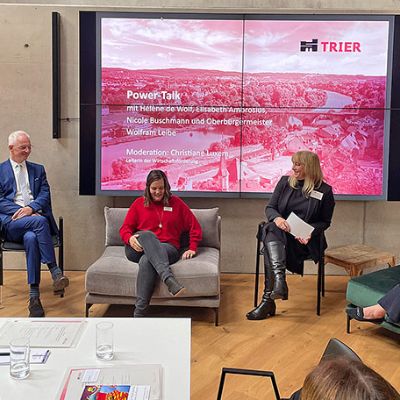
297	203
315	210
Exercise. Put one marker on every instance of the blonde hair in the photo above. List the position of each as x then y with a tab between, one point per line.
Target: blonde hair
313	176
342	379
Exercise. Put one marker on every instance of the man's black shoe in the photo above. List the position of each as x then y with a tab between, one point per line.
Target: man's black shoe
60	283
35	308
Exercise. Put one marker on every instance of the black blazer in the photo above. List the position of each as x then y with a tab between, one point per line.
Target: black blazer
319	214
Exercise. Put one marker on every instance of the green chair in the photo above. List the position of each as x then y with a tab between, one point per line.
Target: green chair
366	290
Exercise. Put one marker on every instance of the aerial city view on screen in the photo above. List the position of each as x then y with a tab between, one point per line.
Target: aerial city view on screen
220	111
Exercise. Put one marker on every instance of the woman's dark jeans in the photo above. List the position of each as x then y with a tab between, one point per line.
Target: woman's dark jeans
154	261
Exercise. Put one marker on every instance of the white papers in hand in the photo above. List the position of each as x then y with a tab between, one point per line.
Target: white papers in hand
298	227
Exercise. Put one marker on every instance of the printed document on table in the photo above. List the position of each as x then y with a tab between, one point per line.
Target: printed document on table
64	333
298	227
130	382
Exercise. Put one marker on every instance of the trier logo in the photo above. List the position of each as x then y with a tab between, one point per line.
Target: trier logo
309	46
331	46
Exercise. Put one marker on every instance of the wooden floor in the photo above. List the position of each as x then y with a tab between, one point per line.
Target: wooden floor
289	344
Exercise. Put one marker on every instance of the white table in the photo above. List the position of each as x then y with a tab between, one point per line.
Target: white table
164	341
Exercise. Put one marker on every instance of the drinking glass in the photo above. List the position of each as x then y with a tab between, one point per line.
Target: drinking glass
19	358
104	341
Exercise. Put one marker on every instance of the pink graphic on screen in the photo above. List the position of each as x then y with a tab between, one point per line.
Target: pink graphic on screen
223	112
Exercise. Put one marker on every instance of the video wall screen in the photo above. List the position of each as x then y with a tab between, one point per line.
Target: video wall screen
221	103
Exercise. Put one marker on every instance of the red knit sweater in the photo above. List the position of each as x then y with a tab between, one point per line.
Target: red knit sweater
167	222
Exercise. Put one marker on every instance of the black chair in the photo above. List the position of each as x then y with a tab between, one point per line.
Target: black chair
58	241
334	348
239	371
321	268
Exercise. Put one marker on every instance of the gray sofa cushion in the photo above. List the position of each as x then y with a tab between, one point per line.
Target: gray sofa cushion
208	219
114	219
112	274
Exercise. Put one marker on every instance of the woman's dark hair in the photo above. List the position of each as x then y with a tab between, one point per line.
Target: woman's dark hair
343	379
156	175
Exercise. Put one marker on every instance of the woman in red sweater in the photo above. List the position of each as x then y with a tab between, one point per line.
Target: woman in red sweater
151	231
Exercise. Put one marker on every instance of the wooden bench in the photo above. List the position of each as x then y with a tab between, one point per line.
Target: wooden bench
355	257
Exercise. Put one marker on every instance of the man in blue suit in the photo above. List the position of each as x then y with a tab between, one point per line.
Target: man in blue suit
26	216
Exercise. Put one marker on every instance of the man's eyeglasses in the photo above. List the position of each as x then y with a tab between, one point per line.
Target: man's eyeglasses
22	148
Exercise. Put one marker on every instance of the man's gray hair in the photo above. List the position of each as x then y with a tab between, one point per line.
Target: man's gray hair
12	138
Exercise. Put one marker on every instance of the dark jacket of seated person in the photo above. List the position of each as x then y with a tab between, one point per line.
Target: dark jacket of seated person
305	194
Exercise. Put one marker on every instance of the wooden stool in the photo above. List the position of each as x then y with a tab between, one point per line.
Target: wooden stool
355	257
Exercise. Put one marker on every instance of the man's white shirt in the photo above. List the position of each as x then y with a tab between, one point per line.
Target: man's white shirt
19	198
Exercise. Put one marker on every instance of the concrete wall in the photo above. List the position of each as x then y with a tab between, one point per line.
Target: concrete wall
25	96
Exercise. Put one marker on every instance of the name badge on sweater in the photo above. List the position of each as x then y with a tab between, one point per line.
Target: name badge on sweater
167	208
316	195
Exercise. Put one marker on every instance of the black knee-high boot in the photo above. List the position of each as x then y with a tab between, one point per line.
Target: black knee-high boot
277	257
267	306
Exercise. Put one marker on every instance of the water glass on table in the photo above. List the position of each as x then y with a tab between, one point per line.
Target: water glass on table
19	358
104	341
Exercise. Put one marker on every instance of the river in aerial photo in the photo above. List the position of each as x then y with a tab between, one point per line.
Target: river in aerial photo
335	101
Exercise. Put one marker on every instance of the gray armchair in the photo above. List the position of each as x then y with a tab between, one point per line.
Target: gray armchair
111	279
